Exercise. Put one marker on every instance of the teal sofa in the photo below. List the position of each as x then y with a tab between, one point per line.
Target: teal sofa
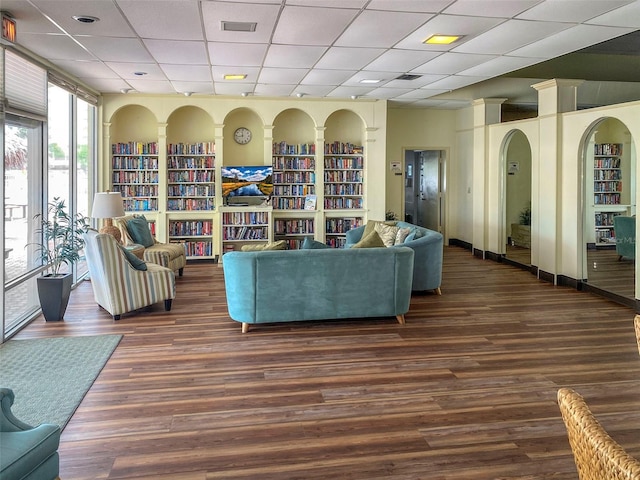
26	452
624	229
293	285
428	247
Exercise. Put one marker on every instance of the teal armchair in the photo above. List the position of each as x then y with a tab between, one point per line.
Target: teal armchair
26	452
625	232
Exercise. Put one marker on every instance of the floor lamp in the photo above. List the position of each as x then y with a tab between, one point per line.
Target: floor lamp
108	205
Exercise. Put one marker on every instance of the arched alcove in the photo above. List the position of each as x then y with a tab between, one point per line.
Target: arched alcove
190	124
133	123
294	127
251	152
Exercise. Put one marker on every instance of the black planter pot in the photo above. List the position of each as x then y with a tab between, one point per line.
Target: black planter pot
54	292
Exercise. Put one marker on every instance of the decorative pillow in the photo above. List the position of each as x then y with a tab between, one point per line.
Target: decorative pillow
411	236
387	233
370	241
311	244
135	262
279	245
371	224
402	235
138	229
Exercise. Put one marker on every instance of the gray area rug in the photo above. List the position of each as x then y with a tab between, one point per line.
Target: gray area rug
50	376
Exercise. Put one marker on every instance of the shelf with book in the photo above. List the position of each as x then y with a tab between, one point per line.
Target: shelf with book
191	176
336	229
294	175
196	235
293	229
134	173
243	225
343	176
608	187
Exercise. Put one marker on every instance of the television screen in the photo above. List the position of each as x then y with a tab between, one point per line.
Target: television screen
244	181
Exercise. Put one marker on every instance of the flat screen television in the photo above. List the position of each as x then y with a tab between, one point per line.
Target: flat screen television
247	185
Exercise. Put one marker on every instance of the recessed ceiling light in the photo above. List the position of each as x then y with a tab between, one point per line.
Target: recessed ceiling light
442	39
238	26
139	74
235	76
370	80
85	19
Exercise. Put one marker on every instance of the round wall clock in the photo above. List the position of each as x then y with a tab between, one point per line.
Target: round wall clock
242	135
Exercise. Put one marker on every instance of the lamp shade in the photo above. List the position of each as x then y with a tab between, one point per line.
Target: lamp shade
107	205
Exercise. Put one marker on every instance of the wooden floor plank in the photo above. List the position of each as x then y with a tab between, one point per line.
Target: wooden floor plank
466	389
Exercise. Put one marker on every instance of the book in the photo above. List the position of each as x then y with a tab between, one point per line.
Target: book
310	202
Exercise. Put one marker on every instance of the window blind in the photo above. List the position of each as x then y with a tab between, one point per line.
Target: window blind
71	87
25	85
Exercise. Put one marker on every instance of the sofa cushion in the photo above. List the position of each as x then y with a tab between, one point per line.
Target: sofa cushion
387	233
370	241
135	262
279	245
402	235
311	244
138	229
371	225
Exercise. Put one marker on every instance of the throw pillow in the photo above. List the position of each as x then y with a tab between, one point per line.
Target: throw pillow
371	224
138	229
402	235
279	245
370	241
135	262
387	233
311	244
410	237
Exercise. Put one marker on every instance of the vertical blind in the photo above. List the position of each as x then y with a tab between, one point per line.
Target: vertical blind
25	87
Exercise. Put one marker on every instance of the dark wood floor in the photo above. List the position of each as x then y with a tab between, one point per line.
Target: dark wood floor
465	390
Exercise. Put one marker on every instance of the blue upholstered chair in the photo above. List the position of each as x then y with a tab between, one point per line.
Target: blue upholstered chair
625	232
26	452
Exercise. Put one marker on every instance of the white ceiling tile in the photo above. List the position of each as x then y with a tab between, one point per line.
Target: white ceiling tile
311	26
327	77
106	85
329	3
423	6
30	19
468	27
127	70
569	40
54	47
313	90
288	76
348	91
490	8
346	58
193	87
241	54
232	89
385	93
116	49
400	60
152	86
214	12
449	63
166	19
220	71
454	82
570	10
274	90
367	28
289	55
499	66
384	77
510	35
196	73
626	16
91	69
179	52
420	93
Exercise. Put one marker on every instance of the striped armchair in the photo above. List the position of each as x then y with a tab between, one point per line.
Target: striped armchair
117	286
170	255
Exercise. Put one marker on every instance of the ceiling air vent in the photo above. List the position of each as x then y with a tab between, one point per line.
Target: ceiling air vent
408	76
238	26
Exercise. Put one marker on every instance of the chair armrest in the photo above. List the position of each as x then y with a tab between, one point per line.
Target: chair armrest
8	422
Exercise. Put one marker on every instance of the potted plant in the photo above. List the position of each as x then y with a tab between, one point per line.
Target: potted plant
60	244
521	232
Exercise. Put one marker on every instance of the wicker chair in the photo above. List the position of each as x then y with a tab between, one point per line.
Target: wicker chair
597	455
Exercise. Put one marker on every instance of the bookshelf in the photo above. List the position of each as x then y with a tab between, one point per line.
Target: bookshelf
191	176
343	176
293	230
135	174
244	225
294	175
608	189
196	235
336	229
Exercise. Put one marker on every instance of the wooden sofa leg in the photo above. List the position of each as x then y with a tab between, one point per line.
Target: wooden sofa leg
438	291
180	271
400	319
245	327
116	317
167	305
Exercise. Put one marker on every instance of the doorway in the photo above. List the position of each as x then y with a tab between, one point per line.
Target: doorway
424	188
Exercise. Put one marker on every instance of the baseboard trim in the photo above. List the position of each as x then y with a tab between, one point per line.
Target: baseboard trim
460	243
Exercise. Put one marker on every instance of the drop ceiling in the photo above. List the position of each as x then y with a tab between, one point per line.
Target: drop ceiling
331	48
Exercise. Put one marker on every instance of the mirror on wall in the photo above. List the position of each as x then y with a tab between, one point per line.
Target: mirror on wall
517	208
609	209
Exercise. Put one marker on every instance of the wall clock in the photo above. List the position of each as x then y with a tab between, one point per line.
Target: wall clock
242	135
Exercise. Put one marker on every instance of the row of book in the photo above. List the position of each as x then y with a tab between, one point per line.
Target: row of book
343	189
294	177
614	174
607	187
336	203
293	190
606	199
298	226
135	163
140	205
192	204
183	228
284	148
605	219
607	162
197	249
295	163
137	190
245	218
202	148
605	236
343	163
343	176
190	176
245	233
142	176
191	162
608	149
344	148
288	203
338	226
135	148
191	190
